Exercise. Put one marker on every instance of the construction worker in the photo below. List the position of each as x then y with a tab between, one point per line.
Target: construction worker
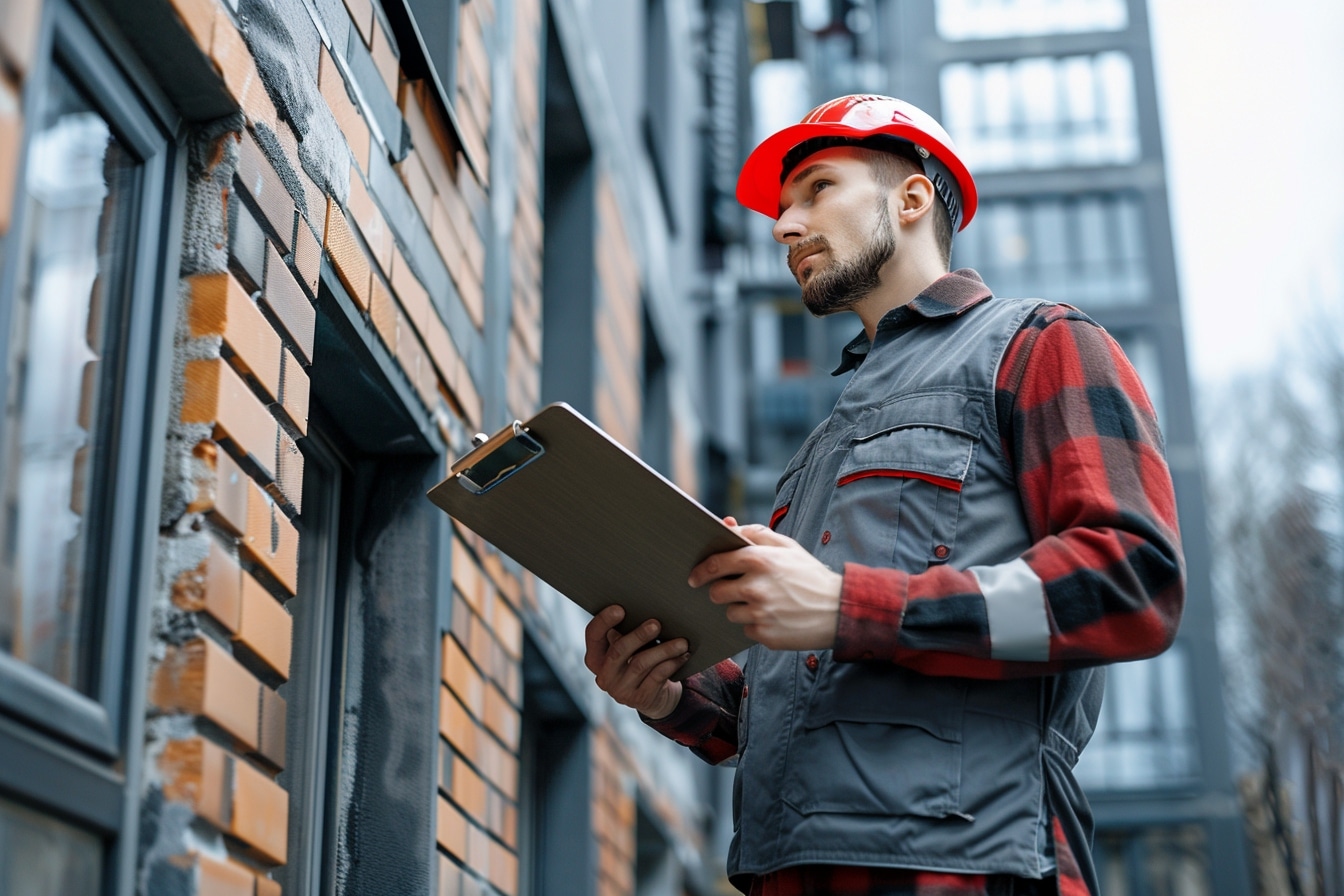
983	522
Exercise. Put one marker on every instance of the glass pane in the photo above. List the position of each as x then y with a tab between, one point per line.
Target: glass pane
1043	112
43	857
80	188
973	19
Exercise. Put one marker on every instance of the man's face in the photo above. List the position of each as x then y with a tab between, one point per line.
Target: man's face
835	220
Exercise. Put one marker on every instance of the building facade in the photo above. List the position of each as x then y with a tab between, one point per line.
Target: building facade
265	267
1053	106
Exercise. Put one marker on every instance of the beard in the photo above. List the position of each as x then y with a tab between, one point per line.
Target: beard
844	283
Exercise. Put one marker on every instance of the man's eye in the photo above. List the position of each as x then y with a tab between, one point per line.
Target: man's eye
820	185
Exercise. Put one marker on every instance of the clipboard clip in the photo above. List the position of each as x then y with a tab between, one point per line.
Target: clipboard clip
497	458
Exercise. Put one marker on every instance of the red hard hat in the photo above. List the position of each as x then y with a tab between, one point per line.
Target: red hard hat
851	119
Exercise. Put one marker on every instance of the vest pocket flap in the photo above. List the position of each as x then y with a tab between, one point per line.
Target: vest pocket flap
930	450
876	694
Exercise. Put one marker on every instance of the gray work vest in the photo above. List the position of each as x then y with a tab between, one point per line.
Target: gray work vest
870	763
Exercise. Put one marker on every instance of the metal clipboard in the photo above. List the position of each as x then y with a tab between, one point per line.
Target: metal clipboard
569	503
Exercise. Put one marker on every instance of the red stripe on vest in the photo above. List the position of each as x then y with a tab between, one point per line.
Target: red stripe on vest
940	481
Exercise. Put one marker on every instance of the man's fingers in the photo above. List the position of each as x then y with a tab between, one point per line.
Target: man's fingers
595	632
758	534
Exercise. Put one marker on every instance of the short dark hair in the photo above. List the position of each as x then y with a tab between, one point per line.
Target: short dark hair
891	160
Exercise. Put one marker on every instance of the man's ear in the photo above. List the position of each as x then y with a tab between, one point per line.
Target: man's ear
914	198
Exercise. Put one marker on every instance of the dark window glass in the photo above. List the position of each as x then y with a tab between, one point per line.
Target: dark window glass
1146	736
1085	250
1042	112
81	189
39	855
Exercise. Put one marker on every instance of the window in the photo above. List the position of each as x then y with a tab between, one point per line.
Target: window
978	19
1087	250
368	615
1145	737
85	328
1042	112
569	224
555	783
427	35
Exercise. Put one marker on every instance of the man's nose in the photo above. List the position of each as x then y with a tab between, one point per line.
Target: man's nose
789	228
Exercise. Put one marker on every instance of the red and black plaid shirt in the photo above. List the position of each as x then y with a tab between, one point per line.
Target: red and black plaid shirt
1098	497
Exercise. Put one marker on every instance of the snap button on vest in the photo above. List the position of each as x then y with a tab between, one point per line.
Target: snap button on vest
826	537
812	662
941	551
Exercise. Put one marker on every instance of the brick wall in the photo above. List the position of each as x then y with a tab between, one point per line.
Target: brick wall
312	175
229	552
619	337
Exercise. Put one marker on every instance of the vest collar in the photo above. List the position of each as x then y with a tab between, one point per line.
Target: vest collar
950	295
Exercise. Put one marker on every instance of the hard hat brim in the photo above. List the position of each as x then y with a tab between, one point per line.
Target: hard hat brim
759	183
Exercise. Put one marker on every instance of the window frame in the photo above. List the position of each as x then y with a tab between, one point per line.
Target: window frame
61	746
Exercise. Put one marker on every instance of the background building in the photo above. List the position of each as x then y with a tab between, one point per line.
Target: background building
1053	107
265	265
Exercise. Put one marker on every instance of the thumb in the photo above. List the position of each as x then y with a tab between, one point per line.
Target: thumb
758	534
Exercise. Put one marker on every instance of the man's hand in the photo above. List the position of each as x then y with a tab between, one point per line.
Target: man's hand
781	595
634	674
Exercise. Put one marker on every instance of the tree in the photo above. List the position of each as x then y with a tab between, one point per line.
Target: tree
1275	452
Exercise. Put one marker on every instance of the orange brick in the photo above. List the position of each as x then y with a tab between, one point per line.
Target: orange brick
268	887
501	718
456	725
233	60
11	137
271	539
366	215
271	728
430	134
286	301
308	251
199	18
294	392
508	628
478	848
202	678
221	307
412	295
361	13
332	86
224	496
346	256
384	57
215	587
194	772
503	869
260	813
215	394
216	878
384	313
468	789
460	675
451	830
18	31
265	626
416	178
288	486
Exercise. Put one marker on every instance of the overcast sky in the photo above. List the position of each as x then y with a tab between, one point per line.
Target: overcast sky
1252	95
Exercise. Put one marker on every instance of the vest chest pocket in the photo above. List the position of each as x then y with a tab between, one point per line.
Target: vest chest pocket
898	492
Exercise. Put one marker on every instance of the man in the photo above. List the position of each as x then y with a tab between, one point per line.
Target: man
985	519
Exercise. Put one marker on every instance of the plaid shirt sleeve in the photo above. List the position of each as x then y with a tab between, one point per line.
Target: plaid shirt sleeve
1104	578
706	716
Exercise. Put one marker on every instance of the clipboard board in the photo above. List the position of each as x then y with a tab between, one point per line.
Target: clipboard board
569	503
